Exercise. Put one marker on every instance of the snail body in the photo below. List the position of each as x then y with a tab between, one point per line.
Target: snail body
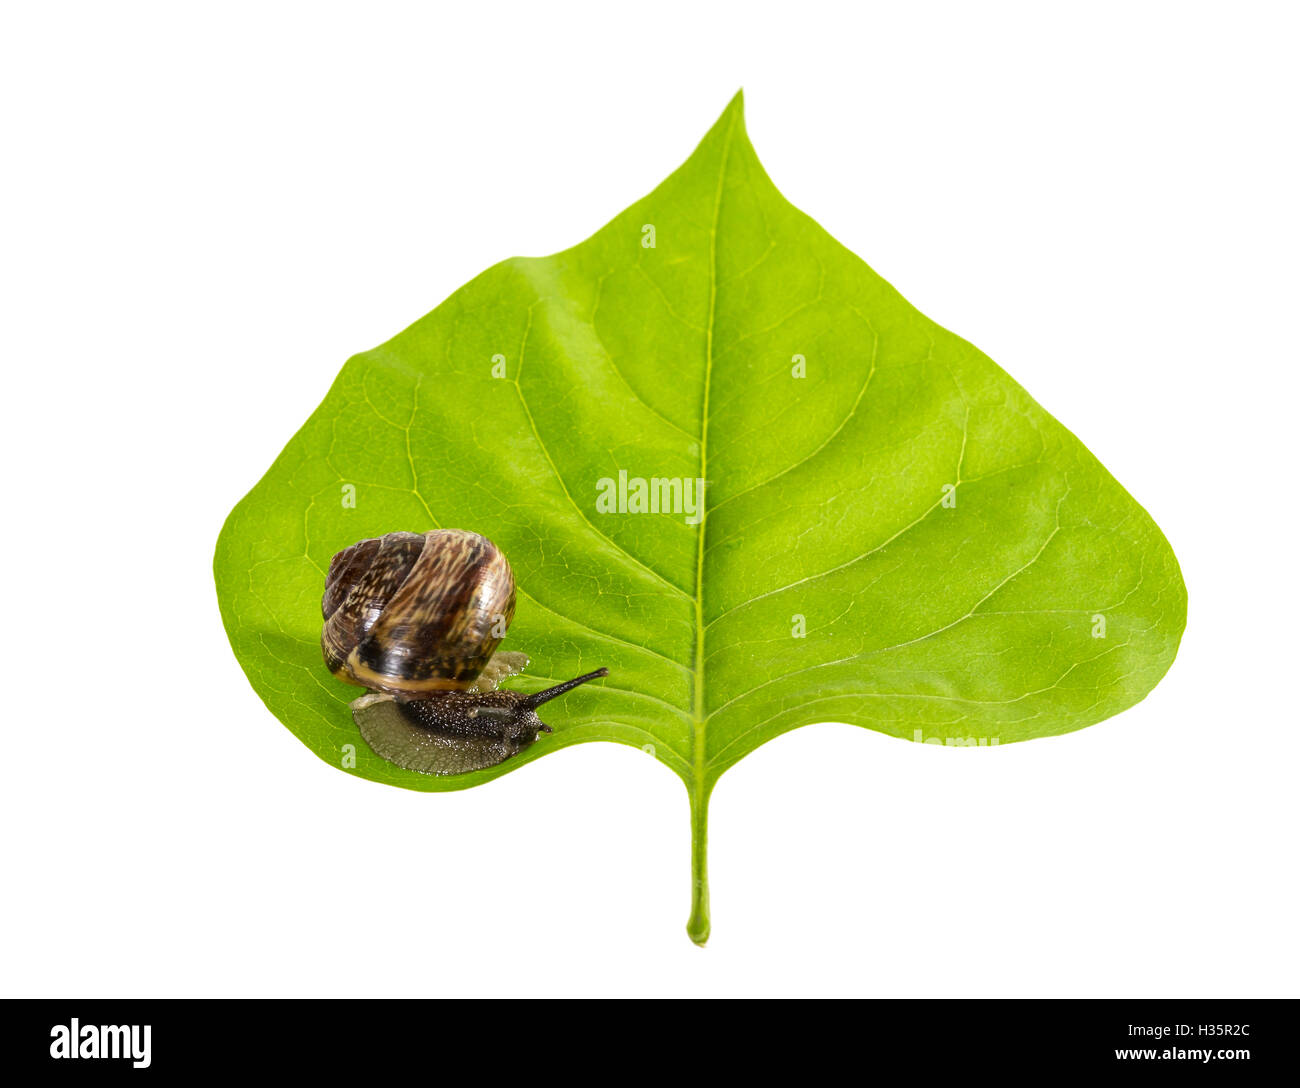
416	619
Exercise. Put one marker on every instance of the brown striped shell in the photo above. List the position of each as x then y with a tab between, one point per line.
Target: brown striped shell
411	614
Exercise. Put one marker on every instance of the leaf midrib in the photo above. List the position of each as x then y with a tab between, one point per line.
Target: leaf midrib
699	716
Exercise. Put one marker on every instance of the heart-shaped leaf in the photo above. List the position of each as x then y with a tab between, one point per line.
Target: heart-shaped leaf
892	533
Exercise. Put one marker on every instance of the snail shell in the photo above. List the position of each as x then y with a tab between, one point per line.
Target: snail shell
413	614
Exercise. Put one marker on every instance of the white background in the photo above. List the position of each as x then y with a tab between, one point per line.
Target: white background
207	208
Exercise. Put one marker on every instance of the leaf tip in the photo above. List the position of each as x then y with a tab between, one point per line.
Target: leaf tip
732	119
735	108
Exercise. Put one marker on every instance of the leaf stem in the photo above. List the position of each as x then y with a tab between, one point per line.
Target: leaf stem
699	925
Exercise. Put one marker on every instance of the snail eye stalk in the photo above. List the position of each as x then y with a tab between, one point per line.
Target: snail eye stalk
534	701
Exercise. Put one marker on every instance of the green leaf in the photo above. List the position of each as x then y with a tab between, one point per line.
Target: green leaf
901	538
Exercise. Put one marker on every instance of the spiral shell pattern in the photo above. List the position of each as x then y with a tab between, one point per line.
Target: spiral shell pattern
411	614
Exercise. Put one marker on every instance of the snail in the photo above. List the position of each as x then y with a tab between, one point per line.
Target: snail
416	618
